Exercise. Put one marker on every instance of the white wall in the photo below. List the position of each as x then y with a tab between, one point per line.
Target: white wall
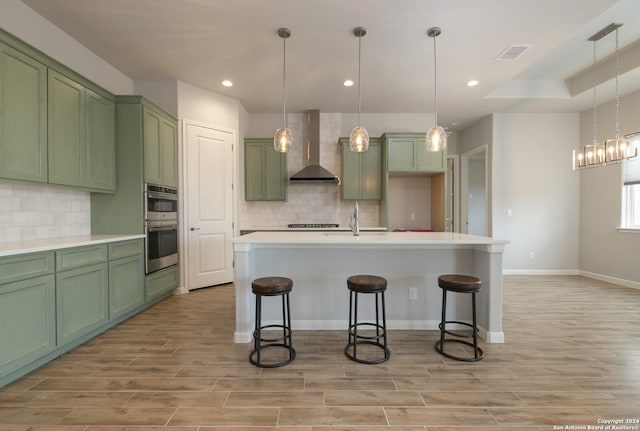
21	21
532	176
604	251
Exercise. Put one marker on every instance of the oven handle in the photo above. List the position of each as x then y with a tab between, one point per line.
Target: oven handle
158	195
161	228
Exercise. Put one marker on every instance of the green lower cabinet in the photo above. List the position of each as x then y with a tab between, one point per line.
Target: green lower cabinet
82	301
161	283
27	321
126	285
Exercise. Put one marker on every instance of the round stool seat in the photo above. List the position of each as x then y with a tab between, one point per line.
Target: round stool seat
271	285
366	283
459	283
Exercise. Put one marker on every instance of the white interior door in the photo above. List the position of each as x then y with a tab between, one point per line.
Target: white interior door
209	203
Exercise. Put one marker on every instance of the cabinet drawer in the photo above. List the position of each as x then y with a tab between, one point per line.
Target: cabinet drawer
126	248
25	266
81	256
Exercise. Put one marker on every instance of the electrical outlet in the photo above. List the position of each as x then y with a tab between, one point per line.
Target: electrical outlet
532	255
413	293
412	216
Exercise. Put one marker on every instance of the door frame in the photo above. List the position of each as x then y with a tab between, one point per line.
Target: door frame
183	207
464	188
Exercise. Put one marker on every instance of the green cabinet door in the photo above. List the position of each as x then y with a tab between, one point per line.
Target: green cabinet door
151	142
66	131
126	285
23	116
265	171
429	161
169	152
27	321
126	277
100	141
82	301
362	172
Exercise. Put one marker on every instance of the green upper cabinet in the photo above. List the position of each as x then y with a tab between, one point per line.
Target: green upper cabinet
100	127
265	171
23	116
160	148
55	125
81	135
67	151
362	172
406	152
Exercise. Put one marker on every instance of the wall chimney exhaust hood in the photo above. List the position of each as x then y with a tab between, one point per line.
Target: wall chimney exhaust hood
312	171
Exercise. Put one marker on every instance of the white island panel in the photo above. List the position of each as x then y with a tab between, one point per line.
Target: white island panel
319	264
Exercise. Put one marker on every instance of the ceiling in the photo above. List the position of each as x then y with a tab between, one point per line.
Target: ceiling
203	42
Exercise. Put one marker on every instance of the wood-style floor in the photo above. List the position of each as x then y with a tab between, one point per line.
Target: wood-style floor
571	358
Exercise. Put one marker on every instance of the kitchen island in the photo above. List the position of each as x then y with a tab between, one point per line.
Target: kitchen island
319	264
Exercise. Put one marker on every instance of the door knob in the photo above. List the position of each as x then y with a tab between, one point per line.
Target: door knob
195	228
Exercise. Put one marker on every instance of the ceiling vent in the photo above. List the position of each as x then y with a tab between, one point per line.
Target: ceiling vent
513	52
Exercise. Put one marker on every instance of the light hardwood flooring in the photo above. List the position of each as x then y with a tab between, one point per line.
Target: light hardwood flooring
571	357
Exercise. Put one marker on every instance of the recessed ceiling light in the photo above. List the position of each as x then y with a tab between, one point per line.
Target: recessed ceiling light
472	83
348	83
227	83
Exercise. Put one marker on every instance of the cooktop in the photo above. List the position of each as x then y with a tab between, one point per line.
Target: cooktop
312	225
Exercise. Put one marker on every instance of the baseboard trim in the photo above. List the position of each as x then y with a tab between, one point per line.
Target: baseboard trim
612	280
541	272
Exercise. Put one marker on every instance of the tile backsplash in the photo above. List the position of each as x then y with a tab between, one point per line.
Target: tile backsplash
29	212
309	203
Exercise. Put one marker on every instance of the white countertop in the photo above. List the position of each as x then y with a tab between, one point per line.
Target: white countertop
21	247
366	238
311	229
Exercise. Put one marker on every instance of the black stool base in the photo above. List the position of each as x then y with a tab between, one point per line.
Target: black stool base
440	349
254	352
356	339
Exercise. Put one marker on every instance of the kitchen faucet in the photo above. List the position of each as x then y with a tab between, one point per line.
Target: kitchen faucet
355	221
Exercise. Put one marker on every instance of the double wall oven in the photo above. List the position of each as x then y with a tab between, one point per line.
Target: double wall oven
161	227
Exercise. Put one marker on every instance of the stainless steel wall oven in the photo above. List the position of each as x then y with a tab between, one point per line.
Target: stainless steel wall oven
161	227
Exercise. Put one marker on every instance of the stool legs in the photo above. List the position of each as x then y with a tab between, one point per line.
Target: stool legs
439	346
285	341
354	339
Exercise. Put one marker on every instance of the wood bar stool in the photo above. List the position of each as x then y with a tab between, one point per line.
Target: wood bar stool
460	284
272	286
366	284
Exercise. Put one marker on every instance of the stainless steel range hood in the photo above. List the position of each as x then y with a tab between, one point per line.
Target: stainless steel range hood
312	171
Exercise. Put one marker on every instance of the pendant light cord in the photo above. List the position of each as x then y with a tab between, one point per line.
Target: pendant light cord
617	85
595	97
435	80
284	74
359	79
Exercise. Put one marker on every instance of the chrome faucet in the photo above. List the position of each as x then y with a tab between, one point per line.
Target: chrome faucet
355	221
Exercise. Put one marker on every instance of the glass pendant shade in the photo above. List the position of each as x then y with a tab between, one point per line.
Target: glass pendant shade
436	139
359	140
282	140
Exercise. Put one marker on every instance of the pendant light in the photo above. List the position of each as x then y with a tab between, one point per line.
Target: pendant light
282	139
436	139
611	150
619	149
359	138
